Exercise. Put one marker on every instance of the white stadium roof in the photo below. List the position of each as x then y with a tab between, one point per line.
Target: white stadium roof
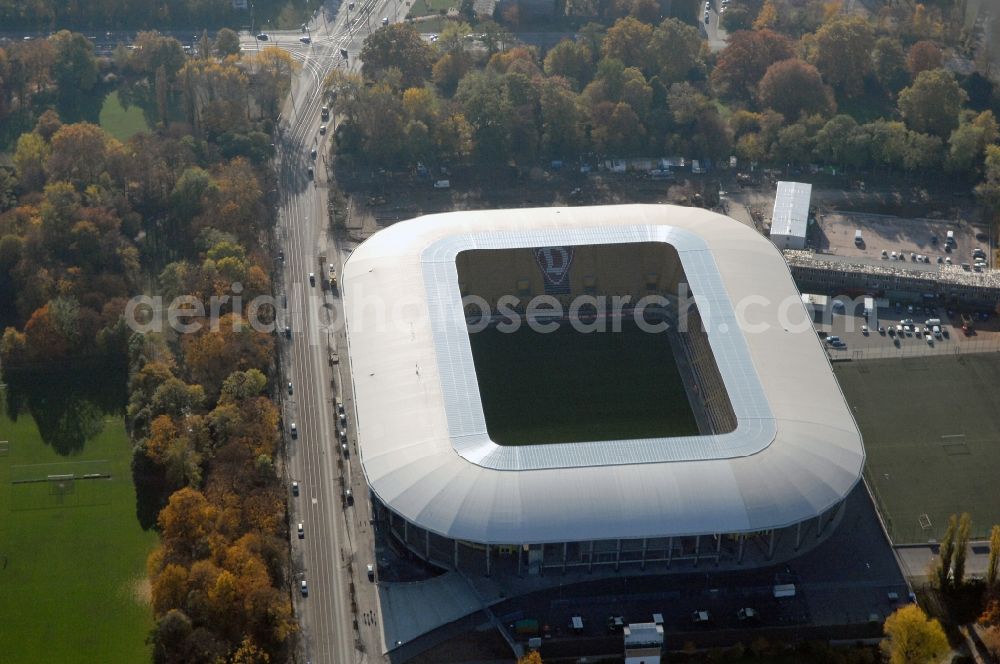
422	435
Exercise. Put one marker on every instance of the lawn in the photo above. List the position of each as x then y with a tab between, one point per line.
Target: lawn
567	386
427	7
931	428
120	122
72	561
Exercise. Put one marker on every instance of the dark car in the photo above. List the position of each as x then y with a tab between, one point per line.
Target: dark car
263	37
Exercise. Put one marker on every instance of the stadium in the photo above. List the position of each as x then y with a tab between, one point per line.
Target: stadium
572	388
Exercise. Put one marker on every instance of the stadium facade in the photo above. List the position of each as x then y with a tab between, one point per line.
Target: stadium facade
778	450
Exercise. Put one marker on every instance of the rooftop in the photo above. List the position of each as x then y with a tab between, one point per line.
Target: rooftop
423	442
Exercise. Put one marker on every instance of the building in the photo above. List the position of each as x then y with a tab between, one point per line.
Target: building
790	218
776	449
643	643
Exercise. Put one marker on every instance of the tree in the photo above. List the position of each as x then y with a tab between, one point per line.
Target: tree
572	60
227	43
185	523
561	119
922	56
991	565
961	549
487	108
792	87
74	67
83	138
628	40
843	53
674	52
30	158
889	64
932	103
912	638
745	60
533	657
988	191
841	141
946	552
736	18
397	46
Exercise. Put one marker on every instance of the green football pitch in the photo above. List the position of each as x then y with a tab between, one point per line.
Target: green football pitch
931	428
72	554
567	386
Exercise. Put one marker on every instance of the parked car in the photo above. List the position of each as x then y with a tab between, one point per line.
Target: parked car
371	572
700	617
263	36
322	130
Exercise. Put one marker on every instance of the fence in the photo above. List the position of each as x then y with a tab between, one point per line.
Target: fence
914	347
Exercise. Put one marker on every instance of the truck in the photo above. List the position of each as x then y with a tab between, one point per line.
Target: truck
331	276
858	240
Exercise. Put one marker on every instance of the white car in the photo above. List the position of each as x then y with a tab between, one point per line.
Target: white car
305	40
864	330
303	588
294	431
301	531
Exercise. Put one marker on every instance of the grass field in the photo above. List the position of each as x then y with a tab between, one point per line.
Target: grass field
72	558
120	122
932	435
566	386
426	7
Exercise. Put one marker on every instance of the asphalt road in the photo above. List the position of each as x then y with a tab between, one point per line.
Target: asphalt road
325	557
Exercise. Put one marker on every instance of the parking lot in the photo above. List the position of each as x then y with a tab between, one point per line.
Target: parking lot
834	233
859	344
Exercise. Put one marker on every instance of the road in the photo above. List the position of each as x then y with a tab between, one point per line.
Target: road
332	555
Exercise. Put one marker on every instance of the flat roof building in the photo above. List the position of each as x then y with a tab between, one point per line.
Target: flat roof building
790	218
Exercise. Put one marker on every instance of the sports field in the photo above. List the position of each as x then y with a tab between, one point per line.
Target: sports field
931	427
567	387
72	554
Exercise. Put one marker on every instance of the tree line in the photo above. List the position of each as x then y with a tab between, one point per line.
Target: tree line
851	93
87	222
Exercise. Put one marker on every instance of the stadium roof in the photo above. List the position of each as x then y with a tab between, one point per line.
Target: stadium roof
422	435
791	209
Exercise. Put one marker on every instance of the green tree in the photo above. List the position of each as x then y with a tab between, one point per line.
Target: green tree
30	158
792	87
674	52
397	46
571	60
988	191
561	119
486	107
961	549
841	141
946	552
889	64
932	103
923	151
74	67
843	53
227	43
913	638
